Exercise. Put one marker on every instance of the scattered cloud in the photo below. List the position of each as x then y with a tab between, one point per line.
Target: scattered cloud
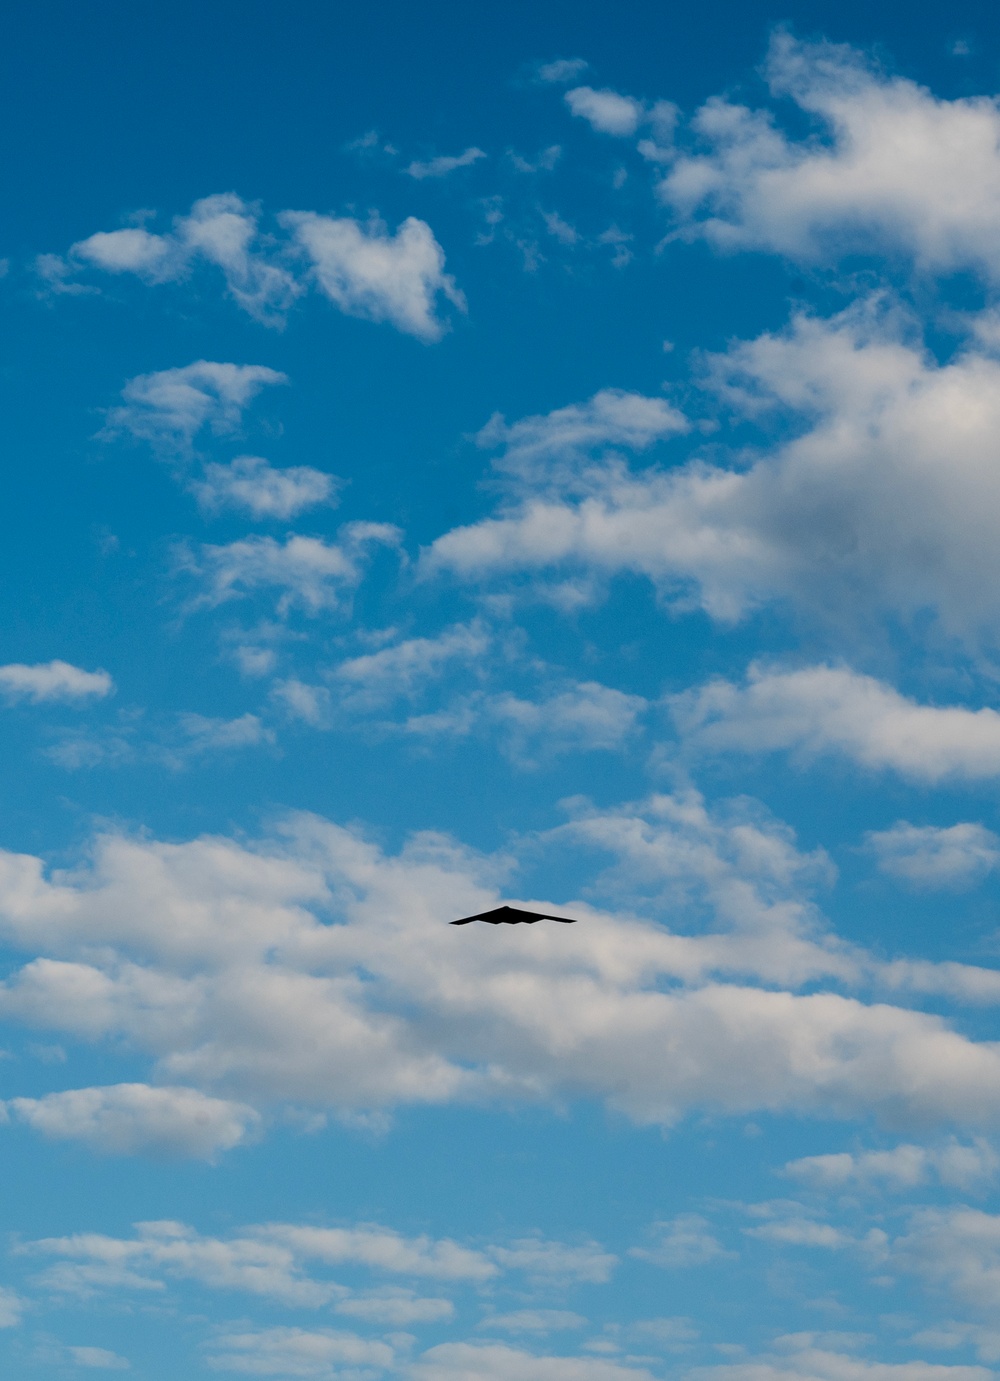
250	484
680	1243
395	1307
98	1357
369	273
929	856
544	1260
363	269
403	668
827	709
12	1307
954	1164
139	946
956	1250
126	1119
562	69
169	408
495	1362
817	522
817	1364
895	168
444	164
47	681
296	1352
584	718
538	1321
606	111
221	230
311	574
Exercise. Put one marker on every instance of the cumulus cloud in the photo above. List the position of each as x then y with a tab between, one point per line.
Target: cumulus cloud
533	1321
957	1250
880	503
126	1119
296	1352
553	448
99	1357
311	574
562	69
369	273
444	164
680	1243
886	166
957	1165
586	717
220	230
250	484
496	1362
396	1307
544	1260
312	968
45	681
12	1307
291	1264
363	269
827	709
818	1364
929	856
169	408
403	668
605	111
206	734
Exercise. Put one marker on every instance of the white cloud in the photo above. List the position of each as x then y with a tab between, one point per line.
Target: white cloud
288	1352
584	718
395	1307
133	250
825	709
881	502
893	168
221	230
205	734
12	1307
371	274
544	1260
299	700
966	1167
98	1357
680	1243
384	1250
817	1364
56	680
128	1118
955	1249
362	268
289	1264
405	667
169	408
445	164
606	111
533	1321
929	856
311	573
219	963
495	1362
985	1341
251	484
562	69
553	449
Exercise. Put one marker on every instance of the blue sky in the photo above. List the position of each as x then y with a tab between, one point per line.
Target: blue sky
544	454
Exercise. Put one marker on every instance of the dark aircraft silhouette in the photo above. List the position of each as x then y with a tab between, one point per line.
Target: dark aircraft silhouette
511	915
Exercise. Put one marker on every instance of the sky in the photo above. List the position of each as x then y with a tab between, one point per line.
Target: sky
530	453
